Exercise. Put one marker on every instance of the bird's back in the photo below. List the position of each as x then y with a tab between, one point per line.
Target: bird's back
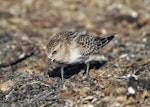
66	36
92	44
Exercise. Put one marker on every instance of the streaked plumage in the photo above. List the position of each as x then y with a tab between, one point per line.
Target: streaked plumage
72	47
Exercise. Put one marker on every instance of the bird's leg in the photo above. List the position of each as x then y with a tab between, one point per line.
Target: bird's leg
62	72
87	69
47	65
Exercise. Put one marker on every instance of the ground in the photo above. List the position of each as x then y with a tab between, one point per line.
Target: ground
121	81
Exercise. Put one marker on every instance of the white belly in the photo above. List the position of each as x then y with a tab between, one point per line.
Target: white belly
75	56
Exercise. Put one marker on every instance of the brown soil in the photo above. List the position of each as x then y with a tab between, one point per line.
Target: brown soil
27	25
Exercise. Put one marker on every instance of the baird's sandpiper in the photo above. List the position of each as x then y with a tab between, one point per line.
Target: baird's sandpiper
72	47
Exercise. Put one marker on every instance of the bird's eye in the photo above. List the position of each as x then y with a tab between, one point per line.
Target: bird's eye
54	52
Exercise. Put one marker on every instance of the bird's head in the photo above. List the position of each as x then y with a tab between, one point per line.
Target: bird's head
54	49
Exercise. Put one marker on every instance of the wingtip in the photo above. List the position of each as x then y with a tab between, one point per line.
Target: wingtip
112	36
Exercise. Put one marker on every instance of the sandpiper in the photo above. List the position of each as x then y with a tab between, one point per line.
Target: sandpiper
72	47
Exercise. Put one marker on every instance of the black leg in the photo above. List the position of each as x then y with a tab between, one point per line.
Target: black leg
62	72
87	69
47	65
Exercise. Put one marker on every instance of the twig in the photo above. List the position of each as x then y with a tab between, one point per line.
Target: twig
20	58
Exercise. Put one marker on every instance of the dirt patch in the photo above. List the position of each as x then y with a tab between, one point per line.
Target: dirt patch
122	80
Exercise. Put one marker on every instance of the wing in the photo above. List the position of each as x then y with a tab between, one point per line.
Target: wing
87	44
105	39
92	44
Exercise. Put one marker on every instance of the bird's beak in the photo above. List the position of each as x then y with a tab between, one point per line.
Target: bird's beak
48	62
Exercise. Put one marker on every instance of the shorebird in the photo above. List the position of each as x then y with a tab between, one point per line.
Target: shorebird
72	47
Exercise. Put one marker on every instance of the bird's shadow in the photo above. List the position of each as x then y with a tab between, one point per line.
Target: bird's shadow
71	70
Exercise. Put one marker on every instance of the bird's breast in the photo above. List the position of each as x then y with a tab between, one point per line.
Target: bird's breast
75	56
